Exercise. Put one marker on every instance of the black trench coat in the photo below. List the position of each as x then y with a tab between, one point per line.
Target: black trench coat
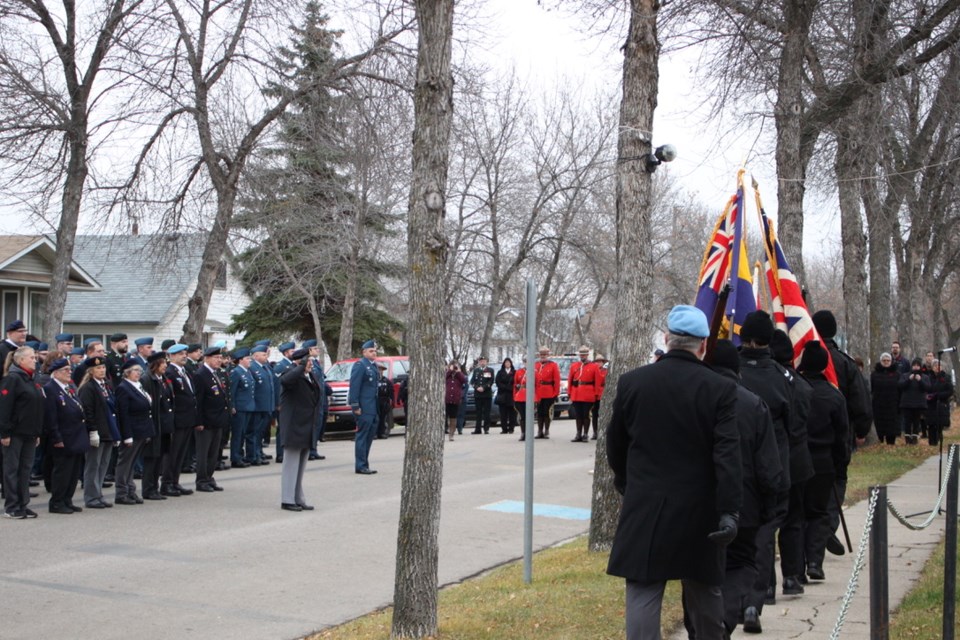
299	408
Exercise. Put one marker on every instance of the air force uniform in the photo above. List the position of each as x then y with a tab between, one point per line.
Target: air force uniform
363	400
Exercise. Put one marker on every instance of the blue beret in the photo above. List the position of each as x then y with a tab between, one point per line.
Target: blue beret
259	349
220	344
140	342
308	343
686	320
33	344
90	341
59	363
77	351
64	337
177	348
286	346
265	343
242	352
212	351
370	344
16	325
43	346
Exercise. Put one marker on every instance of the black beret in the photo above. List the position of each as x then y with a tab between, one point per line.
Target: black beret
299	354
758	327
166	344
131	362
194	347
213	351
814	358
726	356
781	348
95	361
117	337
825	323
157	355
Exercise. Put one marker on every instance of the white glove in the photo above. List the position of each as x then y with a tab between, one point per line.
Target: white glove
128	441
94	439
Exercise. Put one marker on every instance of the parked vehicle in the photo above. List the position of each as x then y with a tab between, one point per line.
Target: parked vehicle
339	416
563	404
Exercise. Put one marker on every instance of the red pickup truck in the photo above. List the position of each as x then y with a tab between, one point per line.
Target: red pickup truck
339	415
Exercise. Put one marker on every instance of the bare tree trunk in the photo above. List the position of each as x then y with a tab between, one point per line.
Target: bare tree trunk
791	166
848	169
67	231
345	344
415	590
879	299
634	255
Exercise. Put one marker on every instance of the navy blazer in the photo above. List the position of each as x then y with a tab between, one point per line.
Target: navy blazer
63	419
134	411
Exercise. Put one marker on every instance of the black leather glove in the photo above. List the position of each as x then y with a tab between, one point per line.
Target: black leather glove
726	530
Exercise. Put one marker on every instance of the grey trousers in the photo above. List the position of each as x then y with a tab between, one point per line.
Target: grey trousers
125	485
17	463
94	470
704	606
291	476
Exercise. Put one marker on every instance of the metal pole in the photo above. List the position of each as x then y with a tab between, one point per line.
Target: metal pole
528	436
950	552
879	579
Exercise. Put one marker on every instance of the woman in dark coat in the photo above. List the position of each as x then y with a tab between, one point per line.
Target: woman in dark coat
453	395
161	397
938	403
136	429
504	380
21	422
299	405
100	413
913	400
66	435
885	390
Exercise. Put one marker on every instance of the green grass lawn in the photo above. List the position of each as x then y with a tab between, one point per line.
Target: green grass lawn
571	596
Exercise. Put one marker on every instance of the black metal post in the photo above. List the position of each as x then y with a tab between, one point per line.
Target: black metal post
879	578
950	553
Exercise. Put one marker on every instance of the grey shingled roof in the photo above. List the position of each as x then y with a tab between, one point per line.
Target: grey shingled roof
141	277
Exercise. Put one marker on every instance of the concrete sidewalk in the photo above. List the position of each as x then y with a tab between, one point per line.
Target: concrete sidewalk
814	614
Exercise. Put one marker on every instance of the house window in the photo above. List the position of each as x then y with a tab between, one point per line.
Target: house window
220	282
38	311
11	307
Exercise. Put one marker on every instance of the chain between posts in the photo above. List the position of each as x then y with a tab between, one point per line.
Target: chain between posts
936	508
854	581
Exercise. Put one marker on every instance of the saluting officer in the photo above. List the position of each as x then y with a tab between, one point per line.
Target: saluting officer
363	401
286	349
244	407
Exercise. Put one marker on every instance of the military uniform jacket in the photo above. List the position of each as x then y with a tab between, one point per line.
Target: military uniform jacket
674	449
21	405
263	392
582	381
135	413
299	407
761	374
242	384
161	396
828	431
100	409
278	370
482	381
363	386
547	375
212	401
114	370
63	419
184	398
854	389
520	386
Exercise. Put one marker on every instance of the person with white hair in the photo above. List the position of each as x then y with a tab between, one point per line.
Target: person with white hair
21	422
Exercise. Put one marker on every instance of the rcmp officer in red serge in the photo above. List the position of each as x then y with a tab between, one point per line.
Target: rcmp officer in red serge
363	401
582	384
674	449
214	412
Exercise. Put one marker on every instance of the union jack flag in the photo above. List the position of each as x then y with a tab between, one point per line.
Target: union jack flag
715	268
790	311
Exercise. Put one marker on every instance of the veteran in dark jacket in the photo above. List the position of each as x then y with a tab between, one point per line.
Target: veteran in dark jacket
155	383
914	386
67	435
938	402
299	404
135	417
885	389
21	422
674	449
213	409
100	413
185	421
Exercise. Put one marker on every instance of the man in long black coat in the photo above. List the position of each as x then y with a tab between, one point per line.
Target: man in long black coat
674	449
213	408
299	406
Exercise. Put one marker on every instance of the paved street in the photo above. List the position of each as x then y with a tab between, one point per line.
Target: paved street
233	565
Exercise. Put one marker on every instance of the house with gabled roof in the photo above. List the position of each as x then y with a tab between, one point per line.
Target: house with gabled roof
145	284
26	267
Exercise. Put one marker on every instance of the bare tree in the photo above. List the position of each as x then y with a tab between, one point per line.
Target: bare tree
65	87
415	596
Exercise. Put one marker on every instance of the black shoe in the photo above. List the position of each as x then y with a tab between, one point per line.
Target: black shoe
835	547
14	515
96	505
205	488
29	513
34	483
61	509
751	620
153	496
593	437
107	485
539	436
771	597
171	492
366	472
222	466
306	507
315	456
34	495
792	586
137	475
75	508
286	506
476	432
183	490
522	438
267	456
279	459
815	573
125	500
216	487
576	439
802	579
109	478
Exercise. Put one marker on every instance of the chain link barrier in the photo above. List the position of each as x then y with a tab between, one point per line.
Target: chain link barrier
936	508
854	583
